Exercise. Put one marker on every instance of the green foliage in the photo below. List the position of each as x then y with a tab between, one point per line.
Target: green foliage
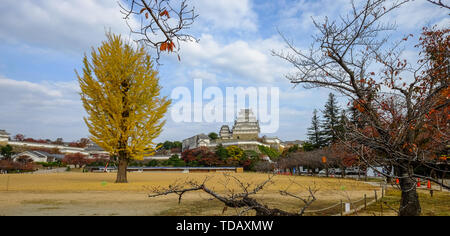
51	164
294	148
221	152
270	152
307	147
315	135
213	136
7	151
251	154
168	145
175	161
331	122
152	163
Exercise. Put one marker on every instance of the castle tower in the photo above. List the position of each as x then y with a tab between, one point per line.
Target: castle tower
4	137
246	126
225	132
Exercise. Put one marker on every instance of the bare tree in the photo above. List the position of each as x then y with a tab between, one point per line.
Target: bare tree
162	23
394	104
243	200
439	3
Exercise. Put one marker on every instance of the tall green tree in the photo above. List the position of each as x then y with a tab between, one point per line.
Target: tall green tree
330	123
7	151
221	152
120	92
314	133
213	136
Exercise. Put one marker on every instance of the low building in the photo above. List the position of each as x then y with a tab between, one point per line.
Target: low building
4	137
274	143
39	156
288	144
92	149
95	151
200	140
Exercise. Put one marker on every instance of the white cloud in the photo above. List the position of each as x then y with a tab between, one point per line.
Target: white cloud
299	14
416	14
206	76
226	14
246	61
61	25
42	110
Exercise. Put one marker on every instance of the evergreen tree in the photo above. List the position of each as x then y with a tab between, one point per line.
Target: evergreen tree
330	123
340	129
314	132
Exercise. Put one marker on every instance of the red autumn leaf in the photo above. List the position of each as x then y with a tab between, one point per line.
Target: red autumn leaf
170	46
163	47
146	15
165	13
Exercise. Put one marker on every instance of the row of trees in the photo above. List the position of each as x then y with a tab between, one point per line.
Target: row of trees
221	156
82	143
169	147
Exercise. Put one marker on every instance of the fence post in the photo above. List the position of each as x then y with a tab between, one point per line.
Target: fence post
381	208
7	183
382	192
365	201
342	209
376	199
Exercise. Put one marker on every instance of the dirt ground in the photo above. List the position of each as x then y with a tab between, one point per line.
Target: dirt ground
97	194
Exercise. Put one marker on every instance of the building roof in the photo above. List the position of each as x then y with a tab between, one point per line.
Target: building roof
42	154
246	122
202	136
3	132
299	142
94	148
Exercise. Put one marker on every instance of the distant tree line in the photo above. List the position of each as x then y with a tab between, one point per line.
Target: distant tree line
82	143
221	156
169	147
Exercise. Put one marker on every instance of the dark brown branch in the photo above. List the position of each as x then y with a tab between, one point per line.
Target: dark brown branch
239	200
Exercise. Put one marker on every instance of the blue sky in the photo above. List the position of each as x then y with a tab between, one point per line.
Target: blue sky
42	42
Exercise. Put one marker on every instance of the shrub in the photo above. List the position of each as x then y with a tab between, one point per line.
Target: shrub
270	152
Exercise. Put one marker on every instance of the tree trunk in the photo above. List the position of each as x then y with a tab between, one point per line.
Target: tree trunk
343	172
122	171
409	204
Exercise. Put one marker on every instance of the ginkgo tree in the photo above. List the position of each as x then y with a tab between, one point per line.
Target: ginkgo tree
120	92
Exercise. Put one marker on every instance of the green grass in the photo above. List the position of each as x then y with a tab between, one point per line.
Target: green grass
438	205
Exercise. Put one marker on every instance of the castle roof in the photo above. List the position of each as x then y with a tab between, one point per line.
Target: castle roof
3	132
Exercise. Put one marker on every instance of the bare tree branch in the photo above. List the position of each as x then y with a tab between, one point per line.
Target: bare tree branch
163	24
238	200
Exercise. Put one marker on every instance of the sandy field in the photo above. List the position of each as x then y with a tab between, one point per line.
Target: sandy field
97	194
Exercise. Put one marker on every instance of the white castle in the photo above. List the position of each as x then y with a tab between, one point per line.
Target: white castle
244	134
